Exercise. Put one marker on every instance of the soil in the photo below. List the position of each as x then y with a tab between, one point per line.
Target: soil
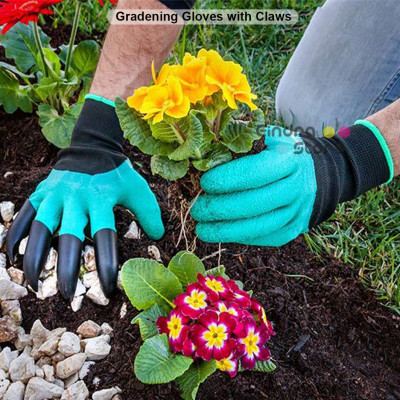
333	339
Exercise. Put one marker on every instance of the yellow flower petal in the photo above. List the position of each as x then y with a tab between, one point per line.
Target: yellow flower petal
136	100
179	110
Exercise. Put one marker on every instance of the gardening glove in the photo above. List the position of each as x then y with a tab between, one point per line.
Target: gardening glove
88	180
270	198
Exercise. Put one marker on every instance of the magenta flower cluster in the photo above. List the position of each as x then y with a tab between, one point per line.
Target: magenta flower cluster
216	320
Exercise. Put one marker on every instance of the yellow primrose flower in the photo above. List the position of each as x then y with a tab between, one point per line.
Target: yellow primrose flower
136	100
209	55
165	72
168	99
228	76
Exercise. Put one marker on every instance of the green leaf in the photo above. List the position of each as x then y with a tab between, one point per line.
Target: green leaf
147	321
46	87
191	129
138	132
217	271
262	366
85	58
155	363
63	52
15	70
56	128
185	265
239	136
12	95
20	45
217	156
147	282
190	381
165	132
168	169
53	60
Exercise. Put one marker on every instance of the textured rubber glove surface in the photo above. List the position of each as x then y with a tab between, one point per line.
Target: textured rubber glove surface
264	200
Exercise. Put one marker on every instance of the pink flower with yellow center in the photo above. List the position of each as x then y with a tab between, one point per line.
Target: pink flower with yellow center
212	336
259	309
251	342
237	295
229	365
175	327
193	302
215	287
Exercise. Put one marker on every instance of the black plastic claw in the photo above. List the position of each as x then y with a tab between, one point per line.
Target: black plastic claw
68	264
106	252
36	252
20	228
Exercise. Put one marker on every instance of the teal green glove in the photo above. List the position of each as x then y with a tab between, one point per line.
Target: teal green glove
270	198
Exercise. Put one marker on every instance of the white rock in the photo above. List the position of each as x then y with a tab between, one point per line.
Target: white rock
70	365
8	329
3	375
97	348
69	344
22	246
4	384
58	357
88	256
7	174
23	367
80	289
71	380
106	329
16	275
3	234
123	311
106	394
6	357
133	231
76	303
7	210
4	274
45	360
89	329
95	293
96	381
39	333
11	291
51	260
90	279
59	383
49	347
154	253
119	281
39	372
3	260
48	371
39	389
12	308
58	332
77	391
85	369
15	391
48	288
23	339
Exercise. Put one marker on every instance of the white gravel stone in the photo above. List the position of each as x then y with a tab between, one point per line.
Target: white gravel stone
70	365
59	383
15	391
4	384
48	288
95	293
89	329
3	260
7	174
3	234
77	391
89	258
123	311
23	367
58	357
76	303
90	279
22	246
16	275
39	389
39	372
80	289
3	375
69	344
133	231
4	274
96	381
6	357
106	394
11	291
106	329
7	210
48	371
45	360
23	339
85	369
39	333
12	308
154	253
51	260
8	329
97	348
49	347
71	380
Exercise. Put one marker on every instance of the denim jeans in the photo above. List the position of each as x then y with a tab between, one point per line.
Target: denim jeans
346	67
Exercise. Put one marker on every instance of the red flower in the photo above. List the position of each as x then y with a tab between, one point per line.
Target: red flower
215	287
24	11
111	1
237	295
259	309
193	302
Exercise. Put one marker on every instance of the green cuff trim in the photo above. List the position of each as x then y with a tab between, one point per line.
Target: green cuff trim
99	98
383	144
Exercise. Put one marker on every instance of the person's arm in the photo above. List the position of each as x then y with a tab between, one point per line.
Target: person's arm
93	175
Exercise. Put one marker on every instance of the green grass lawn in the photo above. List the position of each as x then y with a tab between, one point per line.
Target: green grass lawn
363	233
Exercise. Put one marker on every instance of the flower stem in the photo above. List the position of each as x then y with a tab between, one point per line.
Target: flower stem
73	37
40	48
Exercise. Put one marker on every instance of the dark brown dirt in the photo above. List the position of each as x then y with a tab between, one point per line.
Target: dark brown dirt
334	340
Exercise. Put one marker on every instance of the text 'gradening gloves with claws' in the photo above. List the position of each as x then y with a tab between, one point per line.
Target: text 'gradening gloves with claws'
270	198
88	180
